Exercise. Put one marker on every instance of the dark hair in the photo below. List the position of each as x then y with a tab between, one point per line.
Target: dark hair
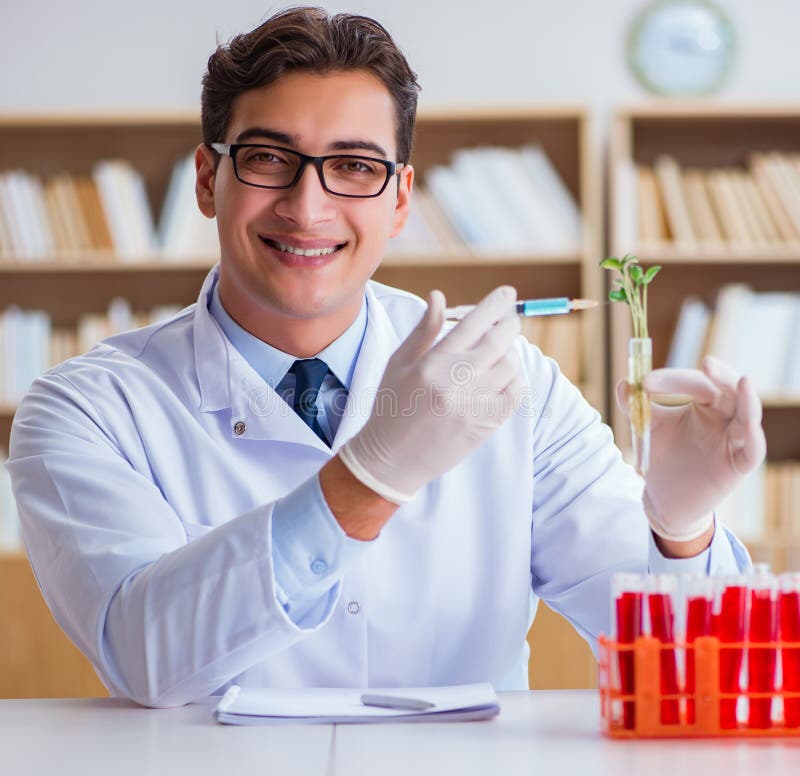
307	39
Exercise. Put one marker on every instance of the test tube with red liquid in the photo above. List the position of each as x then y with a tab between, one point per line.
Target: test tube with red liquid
761	661
699	590
730	611
661	599
627	591
789	613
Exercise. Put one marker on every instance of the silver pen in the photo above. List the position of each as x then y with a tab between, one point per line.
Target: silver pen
394	702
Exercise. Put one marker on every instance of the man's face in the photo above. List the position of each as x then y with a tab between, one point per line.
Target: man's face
343	112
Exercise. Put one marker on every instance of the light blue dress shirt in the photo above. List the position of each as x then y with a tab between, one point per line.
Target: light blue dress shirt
310	548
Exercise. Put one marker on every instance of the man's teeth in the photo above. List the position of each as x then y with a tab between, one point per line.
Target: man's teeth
304	251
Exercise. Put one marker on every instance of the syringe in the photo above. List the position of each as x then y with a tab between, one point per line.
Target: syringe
528	307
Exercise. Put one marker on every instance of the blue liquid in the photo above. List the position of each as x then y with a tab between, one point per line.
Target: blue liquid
553	306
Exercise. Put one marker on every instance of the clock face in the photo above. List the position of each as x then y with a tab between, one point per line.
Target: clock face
681	47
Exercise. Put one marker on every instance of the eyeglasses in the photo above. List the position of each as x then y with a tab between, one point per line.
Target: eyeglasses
273	167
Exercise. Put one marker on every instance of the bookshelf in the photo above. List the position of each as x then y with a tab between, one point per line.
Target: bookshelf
703	135
50	145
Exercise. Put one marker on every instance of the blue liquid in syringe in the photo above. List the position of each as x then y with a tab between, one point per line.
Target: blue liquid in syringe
552	306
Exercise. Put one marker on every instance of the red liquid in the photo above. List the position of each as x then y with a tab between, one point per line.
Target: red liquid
629	626
761	660
662	624
730	628
698	623
790	657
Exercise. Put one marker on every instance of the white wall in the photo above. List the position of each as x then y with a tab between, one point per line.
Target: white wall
150	54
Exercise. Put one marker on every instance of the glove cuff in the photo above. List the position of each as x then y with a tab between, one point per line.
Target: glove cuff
350	460
685	531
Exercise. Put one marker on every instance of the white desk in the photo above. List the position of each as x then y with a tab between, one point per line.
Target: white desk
545	733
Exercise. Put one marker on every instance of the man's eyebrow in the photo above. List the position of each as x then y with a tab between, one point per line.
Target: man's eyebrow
264	133
361	145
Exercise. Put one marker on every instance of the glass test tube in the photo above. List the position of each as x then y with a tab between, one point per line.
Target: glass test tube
699	590
640	363
790	655
627	592
661	600
761	661
730	604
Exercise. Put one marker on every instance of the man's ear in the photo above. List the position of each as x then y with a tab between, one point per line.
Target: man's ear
404	188
204	184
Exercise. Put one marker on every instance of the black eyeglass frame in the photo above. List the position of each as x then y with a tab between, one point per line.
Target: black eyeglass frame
232	149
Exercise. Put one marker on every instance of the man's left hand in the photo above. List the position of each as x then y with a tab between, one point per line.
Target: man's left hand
699	450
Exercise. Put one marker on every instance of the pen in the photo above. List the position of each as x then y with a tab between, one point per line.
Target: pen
527	307
393	702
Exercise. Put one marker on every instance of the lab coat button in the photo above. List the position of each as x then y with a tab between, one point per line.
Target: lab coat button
319	566
239	428
353	607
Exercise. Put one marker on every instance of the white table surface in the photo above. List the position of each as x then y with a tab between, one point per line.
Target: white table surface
536	734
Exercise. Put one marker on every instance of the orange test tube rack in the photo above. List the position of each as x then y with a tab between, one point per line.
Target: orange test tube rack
647	696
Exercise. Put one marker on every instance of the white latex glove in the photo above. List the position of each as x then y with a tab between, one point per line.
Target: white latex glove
699	451
437	403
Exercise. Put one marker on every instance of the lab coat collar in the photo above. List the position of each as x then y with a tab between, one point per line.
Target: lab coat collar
226	380
211	352
381	339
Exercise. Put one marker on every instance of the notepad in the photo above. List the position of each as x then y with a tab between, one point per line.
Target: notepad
261	706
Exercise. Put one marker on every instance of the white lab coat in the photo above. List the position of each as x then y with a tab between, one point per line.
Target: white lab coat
147	520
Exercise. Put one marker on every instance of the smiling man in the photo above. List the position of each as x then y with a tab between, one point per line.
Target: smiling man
304	479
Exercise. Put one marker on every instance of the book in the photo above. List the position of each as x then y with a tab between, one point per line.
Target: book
743	510
701	212
562	203
184	233
261	706
726	208
780	215
457	206
653	226
668	175
691	331
626	212
481	175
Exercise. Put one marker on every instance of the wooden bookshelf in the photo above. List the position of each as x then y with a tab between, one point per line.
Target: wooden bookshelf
703	135
153	143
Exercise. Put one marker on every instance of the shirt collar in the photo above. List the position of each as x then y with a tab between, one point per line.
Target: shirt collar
273	364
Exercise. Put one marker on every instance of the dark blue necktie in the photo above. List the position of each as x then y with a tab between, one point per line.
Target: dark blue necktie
309	374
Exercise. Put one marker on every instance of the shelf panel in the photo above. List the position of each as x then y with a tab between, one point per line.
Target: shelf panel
479	260
670	254
780	402
103	264
398	260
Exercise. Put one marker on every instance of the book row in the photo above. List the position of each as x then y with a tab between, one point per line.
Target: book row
30	344
756	333
106	214
491	200
487	200
717	208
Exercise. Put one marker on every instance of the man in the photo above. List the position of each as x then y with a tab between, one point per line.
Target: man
226	497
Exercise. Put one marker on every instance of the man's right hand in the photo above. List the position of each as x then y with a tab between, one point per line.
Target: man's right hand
437	403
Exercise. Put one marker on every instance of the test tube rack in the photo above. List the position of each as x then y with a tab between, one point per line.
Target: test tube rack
647	698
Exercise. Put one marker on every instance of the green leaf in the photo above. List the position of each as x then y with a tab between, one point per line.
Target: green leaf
611	263
650	274
628	258
636	274
618	295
